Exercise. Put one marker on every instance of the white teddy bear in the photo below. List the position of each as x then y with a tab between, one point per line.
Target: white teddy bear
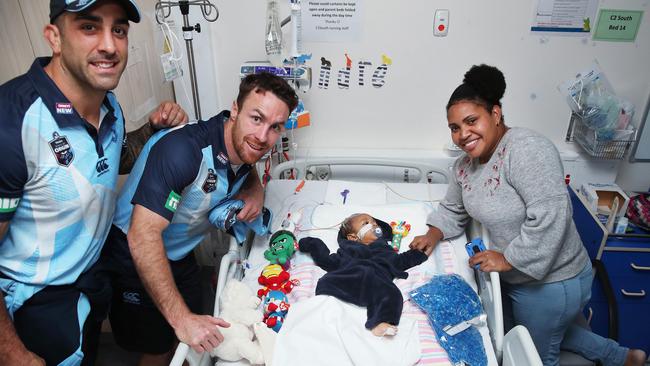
239	307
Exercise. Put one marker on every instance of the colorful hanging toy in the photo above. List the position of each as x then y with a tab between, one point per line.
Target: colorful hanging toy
400	230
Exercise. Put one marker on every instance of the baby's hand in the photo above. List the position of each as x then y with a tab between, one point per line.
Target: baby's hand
304	244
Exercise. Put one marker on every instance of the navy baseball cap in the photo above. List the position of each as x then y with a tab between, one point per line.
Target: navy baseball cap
57	7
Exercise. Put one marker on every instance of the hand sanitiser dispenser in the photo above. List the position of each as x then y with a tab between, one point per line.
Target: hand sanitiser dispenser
299	76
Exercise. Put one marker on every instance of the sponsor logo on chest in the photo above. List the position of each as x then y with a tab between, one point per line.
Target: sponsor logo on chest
222	158
63	108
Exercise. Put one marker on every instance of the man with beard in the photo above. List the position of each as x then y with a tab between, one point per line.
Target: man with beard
163	213
62	145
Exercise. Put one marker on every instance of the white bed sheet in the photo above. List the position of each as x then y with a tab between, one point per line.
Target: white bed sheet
326	197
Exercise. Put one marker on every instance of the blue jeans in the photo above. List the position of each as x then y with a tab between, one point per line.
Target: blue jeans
549	310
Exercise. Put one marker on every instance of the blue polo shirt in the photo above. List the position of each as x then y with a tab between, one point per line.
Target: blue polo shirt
182	174
57	180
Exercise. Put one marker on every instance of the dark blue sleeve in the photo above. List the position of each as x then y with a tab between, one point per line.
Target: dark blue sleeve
13	169
320	253
410	258
172	165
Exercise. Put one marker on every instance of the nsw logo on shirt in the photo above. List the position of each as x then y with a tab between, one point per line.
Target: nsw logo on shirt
61	149
64	108
210	183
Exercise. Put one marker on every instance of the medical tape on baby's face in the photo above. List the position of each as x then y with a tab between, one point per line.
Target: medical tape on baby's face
366	228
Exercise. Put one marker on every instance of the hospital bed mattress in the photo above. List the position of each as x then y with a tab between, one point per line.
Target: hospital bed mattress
317	207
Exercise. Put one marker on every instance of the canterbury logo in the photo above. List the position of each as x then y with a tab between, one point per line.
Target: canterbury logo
131	297
8	204
102	165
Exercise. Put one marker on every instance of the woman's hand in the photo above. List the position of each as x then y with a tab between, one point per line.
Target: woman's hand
490	261
428	241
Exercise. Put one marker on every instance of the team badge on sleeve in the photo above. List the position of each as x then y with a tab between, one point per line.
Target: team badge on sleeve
61	149
210	184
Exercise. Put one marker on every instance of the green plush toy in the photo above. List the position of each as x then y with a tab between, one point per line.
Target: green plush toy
282	245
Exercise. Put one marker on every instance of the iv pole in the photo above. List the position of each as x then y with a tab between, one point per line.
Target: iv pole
163	10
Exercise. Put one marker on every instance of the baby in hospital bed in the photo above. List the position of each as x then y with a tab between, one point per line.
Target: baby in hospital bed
362	270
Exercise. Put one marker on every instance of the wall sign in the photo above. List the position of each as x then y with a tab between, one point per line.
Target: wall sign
564	16
618	25
331	21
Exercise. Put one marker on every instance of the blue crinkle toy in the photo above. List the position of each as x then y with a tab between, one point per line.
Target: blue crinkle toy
451	305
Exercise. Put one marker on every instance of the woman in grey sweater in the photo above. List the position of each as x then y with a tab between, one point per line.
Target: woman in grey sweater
511	180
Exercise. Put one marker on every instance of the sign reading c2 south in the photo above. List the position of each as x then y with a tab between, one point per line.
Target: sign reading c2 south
618	25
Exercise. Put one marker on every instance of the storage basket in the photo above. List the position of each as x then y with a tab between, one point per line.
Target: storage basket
602	144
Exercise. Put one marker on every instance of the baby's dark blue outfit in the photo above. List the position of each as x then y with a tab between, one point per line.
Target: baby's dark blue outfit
363	274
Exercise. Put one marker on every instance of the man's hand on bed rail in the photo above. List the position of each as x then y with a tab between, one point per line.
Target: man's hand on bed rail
252	193
428	241
200	331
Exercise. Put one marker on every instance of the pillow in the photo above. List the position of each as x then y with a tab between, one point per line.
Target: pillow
354	193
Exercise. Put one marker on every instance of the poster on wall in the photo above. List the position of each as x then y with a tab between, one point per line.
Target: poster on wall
331	21
564	17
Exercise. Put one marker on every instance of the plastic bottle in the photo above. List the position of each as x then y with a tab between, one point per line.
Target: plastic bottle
296	28
273	40
621	225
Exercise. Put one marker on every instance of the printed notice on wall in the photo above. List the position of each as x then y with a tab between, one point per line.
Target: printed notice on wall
564	16
331	21
618	25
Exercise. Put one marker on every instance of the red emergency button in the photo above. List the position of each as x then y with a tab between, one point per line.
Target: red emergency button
441	27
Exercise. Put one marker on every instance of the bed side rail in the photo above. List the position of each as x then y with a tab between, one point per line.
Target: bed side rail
428	173
489	290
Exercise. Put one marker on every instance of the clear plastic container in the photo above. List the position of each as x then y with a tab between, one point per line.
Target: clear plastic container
273	35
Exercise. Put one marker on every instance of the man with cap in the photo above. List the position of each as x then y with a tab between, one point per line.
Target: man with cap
63	143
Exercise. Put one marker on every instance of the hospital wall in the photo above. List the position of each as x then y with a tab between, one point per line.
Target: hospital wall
408	111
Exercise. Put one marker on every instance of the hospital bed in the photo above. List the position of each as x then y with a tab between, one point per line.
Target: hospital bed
350	184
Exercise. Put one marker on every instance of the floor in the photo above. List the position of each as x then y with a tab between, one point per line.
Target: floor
110	354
